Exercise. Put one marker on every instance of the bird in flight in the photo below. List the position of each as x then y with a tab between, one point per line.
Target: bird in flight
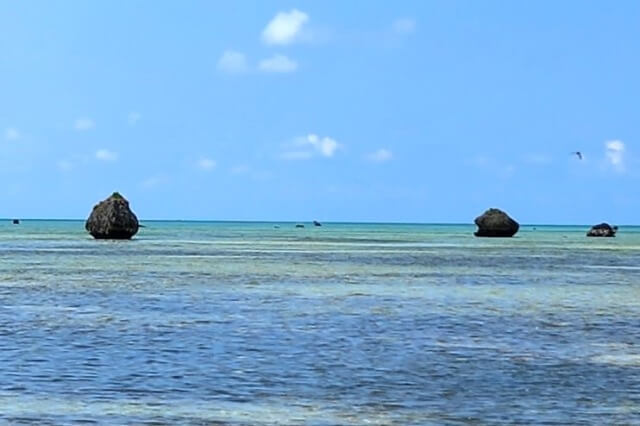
578	154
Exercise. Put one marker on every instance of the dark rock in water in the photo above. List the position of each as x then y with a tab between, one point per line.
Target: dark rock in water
496	223
602	230
16	221
316	223
112	219
299	225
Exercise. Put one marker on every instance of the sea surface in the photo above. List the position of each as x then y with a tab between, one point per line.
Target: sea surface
210	323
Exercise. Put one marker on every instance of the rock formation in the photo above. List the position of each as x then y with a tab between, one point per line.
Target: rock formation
496	223
112	219
602	230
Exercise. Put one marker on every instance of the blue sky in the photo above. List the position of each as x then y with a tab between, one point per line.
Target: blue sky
346	111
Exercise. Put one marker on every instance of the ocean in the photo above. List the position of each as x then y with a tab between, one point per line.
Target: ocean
345	324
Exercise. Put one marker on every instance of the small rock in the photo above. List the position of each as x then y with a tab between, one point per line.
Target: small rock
495	223
602	230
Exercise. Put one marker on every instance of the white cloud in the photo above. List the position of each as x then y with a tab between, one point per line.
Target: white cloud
380	156
285	27
404	26
206	164
311	145
106	155
326	146
65	165
614	153
133	118
84	124
233	62
12	134
278	63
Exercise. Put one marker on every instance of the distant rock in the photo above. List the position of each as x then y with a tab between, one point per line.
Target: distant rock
602	230
299	225
16	221
316	223
496	223
112	219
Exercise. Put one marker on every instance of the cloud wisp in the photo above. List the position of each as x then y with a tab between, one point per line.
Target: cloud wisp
310	146
233	62
614	155
404	26
493	166
12	134
83	124
538	159
133	118
285	28
278	64
382	155
153	182
64	165
240	169
106	155
206	164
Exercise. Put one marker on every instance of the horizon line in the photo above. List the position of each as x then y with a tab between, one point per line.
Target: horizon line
9	219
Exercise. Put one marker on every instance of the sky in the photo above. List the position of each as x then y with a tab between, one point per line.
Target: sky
404	111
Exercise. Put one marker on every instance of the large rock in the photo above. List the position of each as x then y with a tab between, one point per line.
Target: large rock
602	230
112	219
496	223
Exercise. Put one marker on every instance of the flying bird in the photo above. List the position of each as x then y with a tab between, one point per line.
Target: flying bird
578	154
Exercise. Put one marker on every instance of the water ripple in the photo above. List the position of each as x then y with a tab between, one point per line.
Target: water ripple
240	324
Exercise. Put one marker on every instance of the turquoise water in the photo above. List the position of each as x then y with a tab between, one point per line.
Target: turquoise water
244	323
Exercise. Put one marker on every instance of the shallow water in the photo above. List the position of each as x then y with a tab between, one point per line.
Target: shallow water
243	323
